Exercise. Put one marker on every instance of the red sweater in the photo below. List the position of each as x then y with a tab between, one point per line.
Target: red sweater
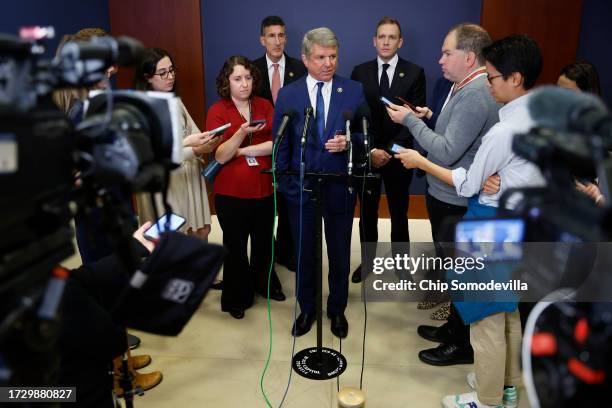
237	178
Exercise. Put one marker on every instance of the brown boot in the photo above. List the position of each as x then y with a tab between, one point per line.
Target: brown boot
141	361
143	381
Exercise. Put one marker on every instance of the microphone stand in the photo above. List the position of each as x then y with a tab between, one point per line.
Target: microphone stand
276	146
307	114
318	363
349	169
366	143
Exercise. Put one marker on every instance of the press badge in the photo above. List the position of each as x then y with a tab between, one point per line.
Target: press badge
251	161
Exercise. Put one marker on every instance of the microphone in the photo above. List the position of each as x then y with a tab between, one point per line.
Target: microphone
288	116
566	110
364	114
307	114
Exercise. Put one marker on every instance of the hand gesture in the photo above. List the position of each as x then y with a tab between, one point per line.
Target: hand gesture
336	145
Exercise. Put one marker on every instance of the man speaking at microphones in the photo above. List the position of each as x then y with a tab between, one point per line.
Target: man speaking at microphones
329	96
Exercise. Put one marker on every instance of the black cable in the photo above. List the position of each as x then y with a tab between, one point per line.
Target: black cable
338	377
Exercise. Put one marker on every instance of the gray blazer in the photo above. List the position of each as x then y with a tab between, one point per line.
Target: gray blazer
467	116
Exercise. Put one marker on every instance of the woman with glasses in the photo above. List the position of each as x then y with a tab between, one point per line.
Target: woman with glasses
243	194
187	193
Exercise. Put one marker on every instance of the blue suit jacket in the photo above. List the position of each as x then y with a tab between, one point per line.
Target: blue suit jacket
347	95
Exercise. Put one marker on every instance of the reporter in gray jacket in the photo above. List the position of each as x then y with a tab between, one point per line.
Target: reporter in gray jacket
468	113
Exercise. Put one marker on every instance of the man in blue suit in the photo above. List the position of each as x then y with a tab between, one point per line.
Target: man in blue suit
332	99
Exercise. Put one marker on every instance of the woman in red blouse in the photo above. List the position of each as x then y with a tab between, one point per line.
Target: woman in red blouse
243	195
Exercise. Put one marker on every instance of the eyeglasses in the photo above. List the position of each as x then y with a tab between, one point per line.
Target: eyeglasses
166	72
491	78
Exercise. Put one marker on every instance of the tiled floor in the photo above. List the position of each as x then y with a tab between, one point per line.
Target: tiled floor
217	361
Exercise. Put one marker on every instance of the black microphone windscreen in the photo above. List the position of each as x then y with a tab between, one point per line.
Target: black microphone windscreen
292	113
556	108
308	110
363	112
131	51
14	46
347	115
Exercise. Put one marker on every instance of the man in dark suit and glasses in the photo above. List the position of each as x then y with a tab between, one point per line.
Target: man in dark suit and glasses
392	77
278	69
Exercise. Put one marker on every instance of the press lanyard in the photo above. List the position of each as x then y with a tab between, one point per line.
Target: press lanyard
457	87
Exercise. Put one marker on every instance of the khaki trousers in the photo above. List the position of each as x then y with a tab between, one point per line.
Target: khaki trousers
496	341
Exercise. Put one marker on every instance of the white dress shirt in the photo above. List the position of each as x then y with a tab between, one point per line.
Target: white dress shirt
390	71
281	69
495	155
311	83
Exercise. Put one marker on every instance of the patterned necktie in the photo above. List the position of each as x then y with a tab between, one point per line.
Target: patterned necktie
320	112
384	82
275	83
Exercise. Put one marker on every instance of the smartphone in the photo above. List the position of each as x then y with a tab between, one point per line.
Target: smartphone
396	148
257	122
219	131
385	101
153	232
405	102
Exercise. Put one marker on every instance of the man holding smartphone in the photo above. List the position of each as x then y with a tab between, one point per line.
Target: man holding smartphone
469	111
278	69
399	81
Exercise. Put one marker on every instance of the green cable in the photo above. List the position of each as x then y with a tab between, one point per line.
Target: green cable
263	373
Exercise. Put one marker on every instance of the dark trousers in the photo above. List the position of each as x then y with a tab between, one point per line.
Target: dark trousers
338	223
440	213
240	219
397	187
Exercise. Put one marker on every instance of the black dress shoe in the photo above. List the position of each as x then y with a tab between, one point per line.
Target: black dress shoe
432	333
275	294
356	278
288	262
447	354
236	313
339	325
302	324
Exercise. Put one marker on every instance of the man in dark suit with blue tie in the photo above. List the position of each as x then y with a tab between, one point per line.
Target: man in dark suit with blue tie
332	98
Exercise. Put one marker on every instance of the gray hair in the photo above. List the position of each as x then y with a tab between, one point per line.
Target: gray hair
472	38
321	36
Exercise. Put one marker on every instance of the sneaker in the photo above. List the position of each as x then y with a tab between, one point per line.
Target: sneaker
467	400
510	398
